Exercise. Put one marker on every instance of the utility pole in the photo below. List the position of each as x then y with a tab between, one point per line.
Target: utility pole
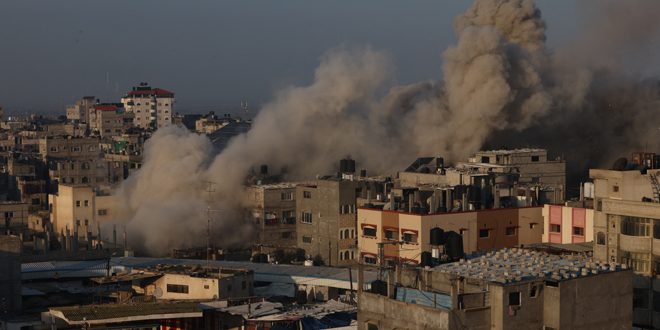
209	189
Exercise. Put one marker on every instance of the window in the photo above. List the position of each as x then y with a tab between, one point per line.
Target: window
535	158
368	259
369	231
578	231
306	217
103	212
307	194
600	238
514	298
206	286
615	188
347	256
656	229
510	231
77	203
307	239
371	326
634	226
554	228
86	222
484	233
86	203
485	159
53	149
532	225
639	262
391	234
287	196
409	237
177	288
640	298
287	234
289	217
533	291
84	180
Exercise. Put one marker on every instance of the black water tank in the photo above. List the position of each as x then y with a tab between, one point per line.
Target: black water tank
427	259
454	245
343	165
379	287
437	236
350	166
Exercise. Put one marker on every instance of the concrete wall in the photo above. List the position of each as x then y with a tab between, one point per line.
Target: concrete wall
389	314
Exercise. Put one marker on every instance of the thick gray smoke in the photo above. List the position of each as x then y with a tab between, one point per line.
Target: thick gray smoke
500	86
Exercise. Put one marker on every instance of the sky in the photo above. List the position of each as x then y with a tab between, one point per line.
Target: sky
214	54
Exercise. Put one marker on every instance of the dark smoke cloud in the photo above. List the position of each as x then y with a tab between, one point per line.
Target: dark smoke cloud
500	86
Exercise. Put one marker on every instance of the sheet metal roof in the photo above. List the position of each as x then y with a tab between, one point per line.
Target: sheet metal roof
113	313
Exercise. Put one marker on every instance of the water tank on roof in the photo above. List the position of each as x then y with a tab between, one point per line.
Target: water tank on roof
454	245
437	236
427	259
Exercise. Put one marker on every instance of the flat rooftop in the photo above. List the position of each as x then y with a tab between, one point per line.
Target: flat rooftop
510	151
519	265
282	185
114	313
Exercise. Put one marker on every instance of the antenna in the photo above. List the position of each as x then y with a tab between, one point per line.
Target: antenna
244	106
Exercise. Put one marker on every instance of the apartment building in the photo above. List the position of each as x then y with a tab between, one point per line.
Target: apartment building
271	209
110	119
506	289
565	224
482	230
152	107
627	230
73	160
72	209
80	111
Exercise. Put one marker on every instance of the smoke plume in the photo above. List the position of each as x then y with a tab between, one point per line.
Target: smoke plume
501	86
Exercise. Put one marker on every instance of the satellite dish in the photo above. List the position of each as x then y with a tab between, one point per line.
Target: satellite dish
158	292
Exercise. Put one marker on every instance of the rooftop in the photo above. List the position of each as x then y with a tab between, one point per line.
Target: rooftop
282	185
511	151
518	265
109	313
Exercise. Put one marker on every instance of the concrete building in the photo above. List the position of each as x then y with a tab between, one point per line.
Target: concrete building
14	217
152	107
210	123
508	289
72	210
490	179
483	230
566	224
194	283
110	119
326	225
272	210
10	275
73	160
80	111
627	230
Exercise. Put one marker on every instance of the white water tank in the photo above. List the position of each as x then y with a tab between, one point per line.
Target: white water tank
309	263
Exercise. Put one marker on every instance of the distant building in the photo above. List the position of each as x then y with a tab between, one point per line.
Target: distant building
110	119
80	111
483	230
627	230
152	107
74	160
272	210
14	218
10	275
507	289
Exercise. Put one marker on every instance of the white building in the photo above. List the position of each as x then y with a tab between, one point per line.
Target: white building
152	107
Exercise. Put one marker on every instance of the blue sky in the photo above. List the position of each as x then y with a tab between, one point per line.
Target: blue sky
213	54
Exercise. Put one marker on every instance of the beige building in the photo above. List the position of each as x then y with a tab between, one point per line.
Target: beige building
272	210
72	209
566	224
110	119
152	107
80	111
483	230
185	283
507	289
627	230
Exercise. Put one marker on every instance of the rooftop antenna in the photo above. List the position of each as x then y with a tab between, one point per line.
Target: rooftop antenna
244	106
